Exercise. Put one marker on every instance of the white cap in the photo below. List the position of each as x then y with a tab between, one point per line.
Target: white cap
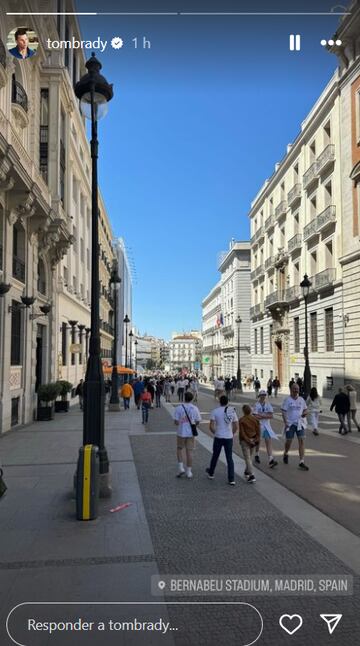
262	392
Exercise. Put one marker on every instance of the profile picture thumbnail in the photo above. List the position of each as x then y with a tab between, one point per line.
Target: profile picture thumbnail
22	42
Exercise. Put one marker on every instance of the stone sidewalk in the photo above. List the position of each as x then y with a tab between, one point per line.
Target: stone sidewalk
172	527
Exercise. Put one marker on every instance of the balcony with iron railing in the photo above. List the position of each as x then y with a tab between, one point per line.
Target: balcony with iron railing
18	95
326	218
293	293
269	263
258	235
228	330
310	230
294	194
276	298
281	210
256	310
326	158
311	175
323	280
269	222
19	269
295	243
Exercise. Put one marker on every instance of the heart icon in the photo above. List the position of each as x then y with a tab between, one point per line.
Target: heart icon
161	585
294	623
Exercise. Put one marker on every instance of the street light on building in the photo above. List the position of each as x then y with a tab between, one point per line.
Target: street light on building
126	321
238	321
94	93
115	280
131	334
305	286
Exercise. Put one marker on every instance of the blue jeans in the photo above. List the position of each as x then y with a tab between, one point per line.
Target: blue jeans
220	442
126	402
145	413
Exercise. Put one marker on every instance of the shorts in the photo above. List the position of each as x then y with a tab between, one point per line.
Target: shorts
266	435
185	442
290	433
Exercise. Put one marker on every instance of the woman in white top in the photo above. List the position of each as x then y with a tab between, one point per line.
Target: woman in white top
313	403
352	413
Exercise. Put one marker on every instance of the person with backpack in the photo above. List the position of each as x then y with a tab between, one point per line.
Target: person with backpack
186	418
223	425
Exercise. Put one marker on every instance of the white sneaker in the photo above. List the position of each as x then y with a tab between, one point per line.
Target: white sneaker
189	475
180	473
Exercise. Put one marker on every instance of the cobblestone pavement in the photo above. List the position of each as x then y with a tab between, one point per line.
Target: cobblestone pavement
332	484
206	527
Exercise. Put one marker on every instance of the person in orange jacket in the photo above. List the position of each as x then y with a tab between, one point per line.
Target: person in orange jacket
126	393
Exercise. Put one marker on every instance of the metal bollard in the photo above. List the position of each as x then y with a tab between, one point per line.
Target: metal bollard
87	483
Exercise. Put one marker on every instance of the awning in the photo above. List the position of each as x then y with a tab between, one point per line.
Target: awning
121	370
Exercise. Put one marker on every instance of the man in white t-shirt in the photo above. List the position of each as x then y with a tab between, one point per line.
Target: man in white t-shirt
294	413
185	415
223	425
219	386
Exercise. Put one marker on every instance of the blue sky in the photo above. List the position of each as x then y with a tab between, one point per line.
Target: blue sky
195	127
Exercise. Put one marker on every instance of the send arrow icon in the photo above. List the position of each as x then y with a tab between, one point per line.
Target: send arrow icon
332	621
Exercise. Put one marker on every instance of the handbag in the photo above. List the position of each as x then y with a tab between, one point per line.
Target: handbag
193	426
3	486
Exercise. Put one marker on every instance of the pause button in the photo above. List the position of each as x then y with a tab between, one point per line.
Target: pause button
295	42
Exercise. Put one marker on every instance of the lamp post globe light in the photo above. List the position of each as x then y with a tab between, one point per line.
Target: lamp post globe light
238	321
126	321
94	92
115	280
305	286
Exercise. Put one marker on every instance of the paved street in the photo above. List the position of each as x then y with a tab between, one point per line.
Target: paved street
172	527
332	484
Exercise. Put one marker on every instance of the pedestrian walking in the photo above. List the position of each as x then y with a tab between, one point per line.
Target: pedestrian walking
257	386
264	412
145	399
151	390
138	389
269	387
228	388
172	386
80	393
186	418
167	390
126	393
341	403
219	387
194	388
294	413
181	389
276	385
223	425
158	393
352	413
313	404
249	437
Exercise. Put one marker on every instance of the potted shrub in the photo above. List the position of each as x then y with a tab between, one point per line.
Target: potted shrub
65	387
47	393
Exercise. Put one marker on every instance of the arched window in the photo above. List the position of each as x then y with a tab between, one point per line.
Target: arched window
41	285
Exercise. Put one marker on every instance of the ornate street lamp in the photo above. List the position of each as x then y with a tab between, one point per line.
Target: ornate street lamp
115	280
126	321
305	286
131	334
94	93
238	321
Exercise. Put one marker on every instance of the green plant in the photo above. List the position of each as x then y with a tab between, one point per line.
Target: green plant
48	392
65	387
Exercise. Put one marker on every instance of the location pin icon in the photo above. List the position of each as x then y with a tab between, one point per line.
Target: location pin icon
161	585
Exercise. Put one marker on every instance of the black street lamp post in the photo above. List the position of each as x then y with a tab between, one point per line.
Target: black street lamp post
136	345
305	286
131	334
94	92
115	280
87	332
238	321
126	321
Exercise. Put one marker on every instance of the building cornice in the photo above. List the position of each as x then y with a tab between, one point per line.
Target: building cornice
349	258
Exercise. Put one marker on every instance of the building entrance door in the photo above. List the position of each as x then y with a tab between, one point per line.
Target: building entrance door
39	358
280	361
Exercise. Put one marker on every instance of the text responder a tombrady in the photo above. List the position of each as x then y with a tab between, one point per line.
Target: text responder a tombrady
74	43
